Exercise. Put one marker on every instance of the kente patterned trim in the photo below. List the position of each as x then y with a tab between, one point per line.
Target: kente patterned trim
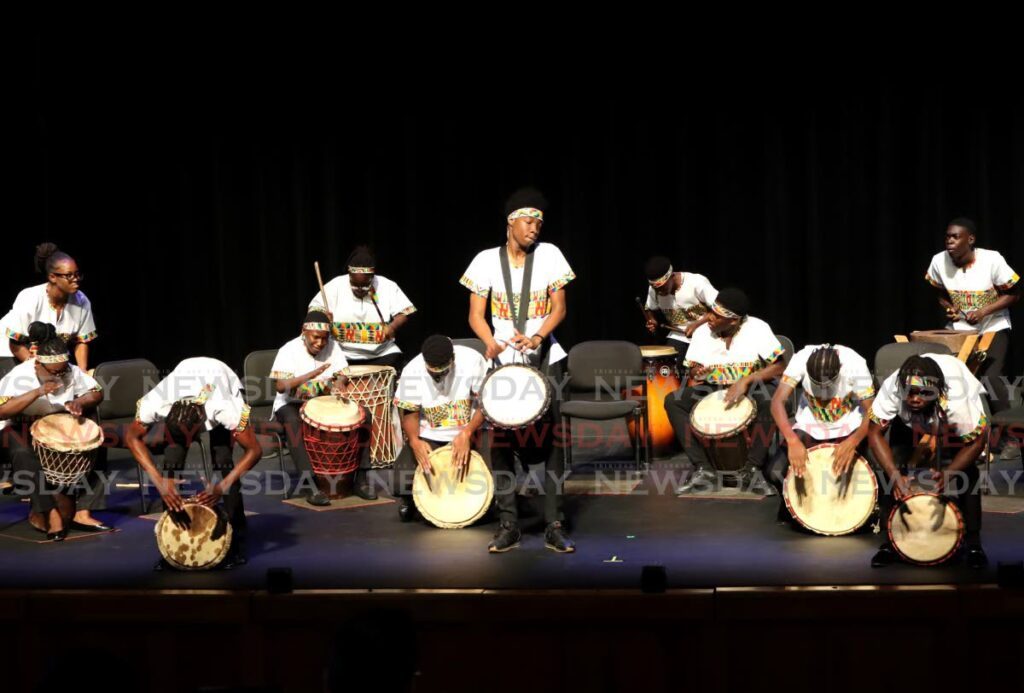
978	430
561	281
662	280
97	388
792	382
680	316
1010	284
138	408
874	419
540	305
724	312
473	286
972	300
832	410
439	369
52	358
204	394
407	311
928	278
866	393
312	388
16	336
243	421
362	270
86	338
280	375
922	381
526	212
450	414
5	400
360	332
774	356
316	326
406	405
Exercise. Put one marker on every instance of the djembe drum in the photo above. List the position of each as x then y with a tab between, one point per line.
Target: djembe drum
202	544
451	498
926	529
374	388
66	445
330	432
722	429
827	504
515	396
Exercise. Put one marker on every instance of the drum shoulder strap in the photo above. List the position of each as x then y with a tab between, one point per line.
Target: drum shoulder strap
518	316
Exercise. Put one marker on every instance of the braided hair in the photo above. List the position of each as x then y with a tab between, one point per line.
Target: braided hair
823	364
184	419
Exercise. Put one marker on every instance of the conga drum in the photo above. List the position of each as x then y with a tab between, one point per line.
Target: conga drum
723	429
827	504
330	432
66	445
448	501
661	369
203	545
515	396
374	388
926	530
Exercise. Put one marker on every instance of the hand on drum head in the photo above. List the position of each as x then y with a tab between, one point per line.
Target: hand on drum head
211	495
797	454
736	392
938	478
167	488
421	450
843	456
460	454
901	488
221	528
73	407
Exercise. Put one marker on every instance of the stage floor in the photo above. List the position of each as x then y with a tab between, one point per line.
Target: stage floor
701	542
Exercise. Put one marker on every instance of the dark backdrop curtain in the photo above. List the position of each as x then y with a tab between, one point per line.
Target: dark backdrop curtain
196	186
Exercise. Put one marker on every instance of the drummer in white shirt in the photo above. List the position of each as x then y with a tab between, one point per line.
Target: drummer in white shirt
684	300
44	384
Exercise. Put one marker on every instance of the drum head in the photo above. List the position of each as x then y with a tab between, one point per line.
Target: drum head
447	502
710	418
514	396
930	533
331	413
825	504
658	351
67	433
193	548
363	371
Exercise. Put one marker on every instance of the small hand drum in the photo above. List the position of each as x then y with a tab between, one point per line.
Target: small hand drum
722	429
200	547
66	446
330	431
447	502
827	504
515	396
930	533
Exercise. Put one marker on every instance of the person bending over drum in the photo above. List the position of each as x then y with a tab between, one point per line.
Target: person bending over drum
683	298
739	355
199	394
524	281
46	383
438	397
836	393
309	366
938	396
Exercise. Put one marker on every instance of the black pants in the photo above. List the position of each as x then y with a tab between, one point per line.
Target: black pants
288	417
965	492
28	473
220	454
679	405
991	373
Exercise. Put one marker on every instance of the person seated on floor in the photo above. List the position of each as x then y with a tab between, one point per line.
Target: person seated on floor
739	353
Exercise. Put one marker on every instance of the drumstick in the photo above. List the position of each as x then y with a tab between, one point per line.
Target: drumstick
320	281
643	310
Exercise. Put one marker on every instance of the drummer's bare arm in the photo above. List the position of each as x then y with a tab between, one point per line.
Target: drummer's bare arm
134	441
691	327
395	325
968	454
15	405
1005	300
250	456
652	321
478	323
942	296
880	449
85	403
82	355
289	385
420	448
778	409
698	373
555	317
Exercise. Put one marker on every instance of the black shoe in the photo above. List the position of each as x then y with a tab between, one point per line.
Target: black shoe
556	540
976	558
506	539
885	556
318	499
782	516
90	528
57	536
363	487
701	481
406	509
232	561
752	481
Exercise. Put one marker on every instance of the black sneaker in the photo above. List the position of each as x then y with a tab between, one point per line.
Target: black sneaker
701	480
406	509
506	539
363	487
976	558
885	556
318	499
556	540
752	480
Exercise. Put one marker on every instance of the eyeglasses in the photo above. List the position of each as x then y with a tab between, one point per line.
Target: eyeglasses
69	275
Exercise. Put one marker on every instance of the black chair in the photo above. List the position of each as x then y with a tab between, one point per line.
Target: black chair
259	395
124	383
7	364
602	368
890	357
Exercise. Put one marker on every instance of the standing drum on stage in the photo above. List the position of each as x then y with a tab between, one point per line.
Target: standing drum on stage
67	446
827	504
723	429
926	529
374	388
330	430
451	500
202	544
515	396
662	372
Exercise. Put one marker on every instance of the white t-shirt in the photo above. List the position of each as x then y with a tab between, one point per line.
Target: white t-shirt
447	407
974	287
691	301
551	272
76	323
356	323
207	380
22	379
840	415
754	347
294	359
962	403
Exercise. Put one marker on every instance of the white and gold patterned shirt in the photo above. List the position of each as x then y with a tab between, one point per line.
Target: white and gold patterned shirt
690	302
448	406
75	325
206	380
294	359
754	346
357	325
839	415
22	379
974	287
